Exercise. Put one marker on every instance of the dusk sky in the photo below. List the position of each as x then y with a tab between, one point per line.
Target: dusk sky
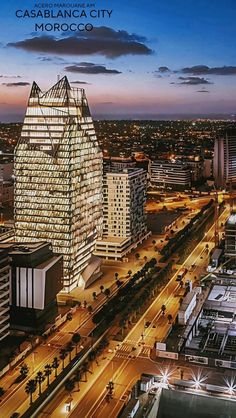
148	59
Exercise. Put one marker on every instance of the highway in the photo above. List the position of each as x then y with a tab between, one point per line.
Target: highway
140	337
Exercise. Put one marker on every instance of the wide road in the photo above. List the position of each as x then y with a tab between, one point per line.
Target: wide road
141	338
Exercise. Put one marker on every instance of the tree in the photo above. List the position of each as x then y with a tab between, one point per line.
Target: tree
129	272
69	349
107	292
116	275
69	385
122	324
145	258
2	391
85	369
119	283
30	388
163	309
69	316
40	379
76	338
24	370
63	355
169	317
48	372
90	309
101	288
154	242
55	365
137	256
78	375
94	295
85	303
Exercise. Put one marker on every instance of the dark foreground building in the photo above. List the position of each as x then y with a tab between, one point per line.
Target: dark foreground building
36	279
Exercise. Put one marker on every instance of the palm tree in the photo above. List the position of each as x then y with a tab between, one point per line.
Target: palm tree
163	309
69	385
101	288
24	370
40	379
122	325
107	292
116	275
169	317
63	355
48	372
55	365
129	272
94	295
85	369
69	349
90	309
76	338
78	375
30	388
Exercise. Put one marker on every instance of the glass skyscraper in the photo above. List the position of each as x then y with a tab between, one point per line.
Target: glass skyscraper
58	177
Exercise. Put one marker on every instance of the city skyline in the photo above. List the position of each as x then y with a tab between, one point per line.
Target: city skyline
143	61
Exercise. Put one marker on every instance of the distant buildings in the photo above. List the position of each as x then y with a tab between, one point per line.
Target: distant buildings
124	219
225	159
172	175
34	275
6	180
58	178
5	285
230	236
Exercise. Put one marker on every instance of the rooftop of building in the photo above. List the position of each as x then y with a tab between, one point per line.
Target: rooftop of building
22	248
232	219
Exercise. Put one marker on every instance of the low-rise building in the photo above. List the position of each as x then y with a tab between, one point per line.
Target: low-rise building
36	279
230	236
187	307
5	279
172	175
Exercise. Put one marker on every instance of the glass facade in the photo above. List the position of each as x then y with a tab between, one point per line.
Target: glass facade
58	177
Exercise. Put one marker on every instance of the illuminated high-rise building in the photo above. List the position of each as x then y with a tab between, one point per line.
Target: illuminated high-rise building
225	159
58	177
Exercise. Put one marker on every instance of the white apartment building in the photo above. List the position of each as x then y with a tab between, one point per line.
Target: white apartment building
58	177
172	175
124	219
5	279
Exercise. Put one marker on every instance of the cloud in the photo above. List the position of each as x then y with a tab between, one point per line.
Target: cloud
202	91
105	103
101	40
79	82
205	70
163	70
10	76
20	84
57	60
193	81
89	68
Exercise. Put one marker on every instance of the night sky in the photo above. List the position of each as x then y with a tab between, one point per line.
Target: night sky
150	58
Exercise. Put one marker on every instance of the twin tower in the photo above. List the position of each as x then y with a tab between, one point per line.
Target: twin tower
58	177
